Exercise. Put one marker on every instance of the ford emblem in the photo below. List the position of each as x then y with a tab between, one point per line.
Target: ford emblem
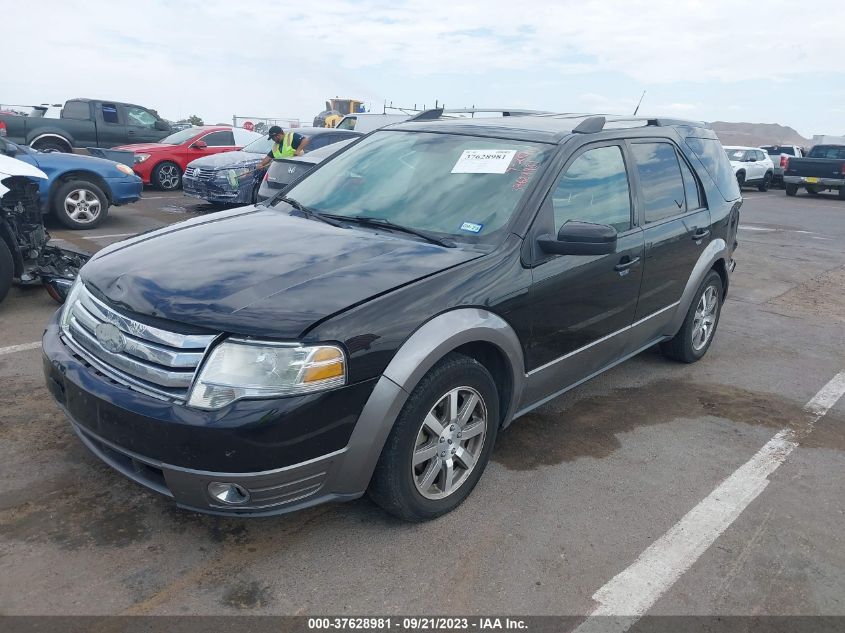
110	337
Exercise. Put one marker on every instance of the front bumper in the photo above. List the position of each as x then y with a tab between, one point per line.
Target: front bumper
288	453
818	182
216	190
125	190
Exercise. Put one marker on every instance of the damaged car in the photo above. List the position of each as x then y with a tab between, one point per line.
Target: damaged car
233	178
25	253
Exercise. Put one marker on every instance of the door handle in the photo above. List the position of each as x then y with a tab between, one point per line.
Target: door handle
700	234
625	265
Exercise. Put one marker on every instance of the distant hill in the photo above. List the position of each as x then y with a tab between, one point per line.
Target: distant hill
755	134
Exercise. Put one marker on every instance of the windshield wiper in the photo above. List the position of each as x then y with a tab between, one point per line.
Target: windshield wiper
387	224
309	213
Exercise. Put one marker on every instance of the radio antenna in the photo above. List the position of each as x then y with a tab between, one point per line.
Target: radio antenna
637	109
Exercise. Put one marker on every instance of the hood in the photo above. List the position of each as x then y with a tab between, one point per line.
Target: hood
12	167
259	271
145	147
227	160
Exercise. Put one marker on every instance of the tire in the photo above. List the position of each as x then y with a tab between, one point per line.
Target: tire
52	145
420	492
812	190
767	182
7	269
80	204
167	176
791	189
689	344
740	179
842	193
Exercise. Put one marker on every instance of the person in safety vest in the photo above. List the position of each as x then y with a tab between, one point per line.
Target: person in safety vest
285	145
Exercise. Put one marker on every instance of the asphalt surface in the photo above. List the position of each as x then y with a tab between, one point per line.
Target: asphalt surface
575	493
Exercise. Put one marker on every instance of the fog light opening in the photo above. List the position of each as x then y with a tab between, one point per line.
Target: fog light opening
228	493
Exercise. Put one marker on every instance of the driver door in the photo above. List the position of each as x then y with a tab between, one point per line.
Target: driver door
140	125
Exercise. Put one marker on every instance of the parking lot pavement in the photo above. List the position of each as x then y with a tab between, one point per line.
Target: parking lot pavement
579	492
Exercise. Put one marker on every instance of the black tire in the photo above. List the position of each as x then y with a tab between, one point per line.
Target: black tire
740	179
681	347
7	269
69	199
812	190
393	485
52	145
167	176
791	189
767	182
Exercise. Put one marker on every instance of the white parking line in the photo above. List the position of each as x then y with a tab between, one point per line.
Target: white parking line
102	237
19	348
631	593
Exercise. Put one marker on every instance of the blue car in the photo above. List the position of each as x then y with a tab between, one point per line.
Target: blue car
79	189
233	177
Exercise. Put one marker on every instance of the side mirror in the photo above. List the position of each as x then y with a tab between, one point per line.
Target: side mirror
580	238
161	125
199	145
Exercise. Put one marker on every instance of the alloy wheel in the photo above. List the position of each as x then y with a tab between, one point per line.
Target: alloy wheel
168	176
82	206
704	321
449	443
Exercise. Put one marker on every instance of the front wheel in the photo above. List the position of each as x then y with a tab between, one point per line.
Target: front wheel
441	441
79	204
767	182
791	189
696	334
167	176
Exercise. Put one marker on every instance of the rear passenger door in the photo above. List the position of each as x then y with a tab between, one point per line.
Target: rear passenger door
676	228
111	126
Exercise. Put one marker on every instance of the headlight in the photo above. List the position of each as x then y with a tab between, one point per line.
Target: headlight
72	296
124	169
240	368
140	158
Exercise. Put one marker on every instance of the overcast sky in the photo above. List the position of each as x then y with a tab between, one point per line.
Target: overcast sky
769	61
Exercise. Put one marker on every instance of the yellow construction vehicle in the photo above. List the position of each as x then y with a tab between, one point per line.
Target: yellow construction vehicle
336	109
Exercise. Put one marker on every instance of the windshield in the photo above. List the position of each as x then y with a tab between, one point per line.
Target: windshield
180	137
259	146
735	154
463	187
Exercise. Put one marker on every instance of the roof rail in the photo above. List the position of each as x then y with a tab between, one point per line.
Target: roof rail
436	113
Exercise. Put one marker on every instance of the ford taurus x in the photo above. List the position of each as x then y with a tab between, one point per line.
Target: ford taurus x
376	325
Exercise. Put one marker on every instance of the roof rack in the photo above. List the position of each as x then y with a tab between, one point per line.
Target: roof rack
437	113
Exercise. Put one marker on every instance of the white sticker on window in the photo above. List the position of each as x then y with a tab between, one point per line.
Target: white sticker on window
484	161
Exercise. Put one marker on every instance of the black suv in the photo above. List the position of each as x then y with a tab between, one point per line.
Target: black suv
375	327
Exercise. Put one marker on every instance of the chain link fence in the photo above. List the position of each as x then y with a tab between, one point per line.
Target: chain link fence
261	124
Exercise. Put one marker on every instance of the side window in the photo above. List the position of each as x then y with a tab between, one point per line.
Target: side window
109	111
223	138
320	140
690	187
76	110
594	189
760	155
140	117
711	154
660	180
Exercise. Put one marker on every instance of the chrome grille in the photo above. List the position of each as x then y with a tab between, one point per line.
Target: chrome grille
199	173
154	361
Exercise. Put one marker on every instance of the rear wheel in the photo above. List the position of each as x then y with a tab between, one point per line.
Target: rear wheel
167	176
791	189
696	334
52	145
441	441
7	269
767	182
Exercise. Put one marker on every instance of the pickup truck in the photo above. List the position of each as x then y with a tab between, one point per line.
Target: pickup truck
823	168
85	123
780	154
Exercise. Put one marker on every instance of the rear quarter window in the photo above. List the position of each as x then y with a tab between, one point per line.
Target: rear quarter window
711	154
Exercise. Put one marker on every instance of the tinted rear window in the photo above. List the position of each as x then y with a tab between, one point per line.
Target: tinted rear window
76	110
835	152
777	150
710	152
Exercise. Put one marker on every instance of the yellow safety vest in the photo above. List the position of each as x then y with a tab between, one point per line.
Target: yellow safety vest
286	150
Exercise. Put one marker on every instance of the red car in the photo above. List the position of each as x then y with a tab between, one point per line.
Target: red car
161	164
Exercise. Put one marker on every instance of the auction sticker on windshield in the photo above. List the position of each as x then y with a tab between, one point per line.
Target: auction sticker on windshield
484	161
